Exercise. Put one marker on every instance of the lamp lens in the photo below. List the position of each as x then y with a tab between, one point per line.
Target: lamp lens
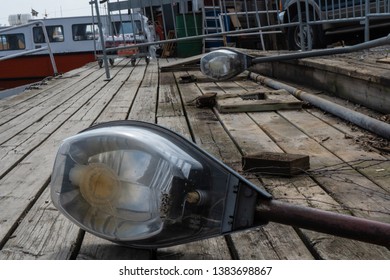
112	180
222	64
142	185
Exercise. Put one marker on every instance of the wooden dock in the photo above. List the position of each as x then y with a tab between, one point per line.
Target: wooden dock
348	173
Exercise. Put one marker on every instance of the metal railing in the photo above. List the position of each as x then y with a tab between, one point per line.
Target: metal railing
194	27
27	52
191	27
310	21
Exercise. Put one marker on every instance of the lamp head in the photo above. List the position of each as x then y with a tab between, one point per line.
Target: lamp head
224	64
145	186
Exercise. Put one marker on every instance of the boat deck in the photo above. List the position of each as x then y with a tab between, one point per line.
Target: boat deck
350	171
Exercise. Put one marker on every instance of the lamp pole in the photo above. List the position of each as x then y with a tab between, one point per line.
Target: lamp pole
323	221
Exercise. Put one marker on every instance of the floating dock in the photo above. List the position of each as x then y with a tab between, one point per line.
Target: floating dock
349	167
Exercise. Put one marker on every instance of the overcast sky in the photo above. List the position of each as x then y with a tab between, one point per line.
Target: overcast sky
53	8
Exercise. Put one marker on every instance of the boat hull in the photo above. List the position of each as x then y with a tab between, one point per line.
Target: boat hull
28	69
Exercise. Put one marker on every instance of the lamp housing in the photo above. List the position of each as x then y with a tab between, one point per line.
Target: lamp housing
145	186
224	64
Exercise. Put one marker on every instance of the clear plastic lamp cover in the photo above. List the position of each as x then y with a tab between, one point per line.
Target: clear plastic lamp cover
223	64
132	184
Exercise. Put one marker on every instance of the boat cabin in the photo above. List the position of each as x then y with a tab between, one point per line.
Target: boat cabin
74	42
73	34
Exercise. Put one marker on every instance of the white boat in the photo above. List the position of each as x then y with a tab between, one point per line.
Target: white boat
73	41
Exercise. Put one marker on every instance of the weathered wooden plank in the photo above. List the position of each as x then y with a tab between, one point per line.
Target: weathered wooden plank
169	103
352	195
366	140
209	131
92	109
176	123
250	139
21	144
368	86
214	248
20	104
300	190
247	250
37	111
44	234
182	64
29	95
119	107
370	72
373	165
355	186
34	170
94	248
170	109
208	249
22	184
271	242
144	106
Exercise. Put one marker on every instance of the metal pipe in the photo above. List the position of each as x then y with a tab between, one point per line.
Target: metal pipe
324	221
94	31
376	126
104	50
52	60
366	45
367	22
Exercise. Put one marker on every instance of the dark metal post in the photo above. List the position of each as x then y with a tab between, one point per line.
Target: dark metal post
105	60
324	221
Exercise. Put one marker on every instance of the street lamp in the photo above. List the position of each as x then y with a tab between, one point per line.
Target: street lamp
145	186
223	64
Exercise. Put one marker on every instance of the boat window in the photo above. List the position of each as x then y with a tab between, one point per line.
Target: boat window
127	27
10	42
55	34
83	32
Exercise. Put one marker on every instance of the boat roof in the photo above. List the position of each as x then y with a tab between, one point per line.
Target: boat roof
89	18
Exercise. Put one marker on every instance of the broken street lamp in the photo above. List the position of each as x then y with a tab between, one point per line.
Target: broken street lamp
224	64
145	186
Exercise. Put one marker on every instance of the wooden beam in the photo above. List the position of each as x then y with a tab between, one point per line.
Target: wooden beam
273	100
272	163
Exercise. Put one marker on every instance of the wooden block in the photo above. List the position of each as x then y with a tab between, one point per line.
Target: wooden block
384	60
185	64
269	163
252	102
247	95
186	79
168	48
234	18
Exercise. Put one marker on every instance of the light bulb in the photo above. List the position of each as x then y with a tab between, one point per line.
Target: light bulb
98	183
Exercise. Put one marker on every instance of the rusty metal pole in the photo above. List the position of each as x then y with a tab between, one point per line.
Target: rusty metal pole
324	221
